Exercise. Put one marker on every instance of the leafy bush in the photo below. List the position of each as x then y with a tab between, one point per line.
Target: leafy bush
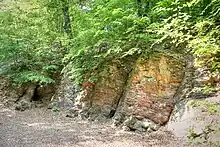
40	36
27	43
193	27
27	77
104	30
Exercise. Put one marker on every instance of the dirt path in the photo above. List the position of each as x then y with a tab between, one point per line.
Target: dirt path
44	128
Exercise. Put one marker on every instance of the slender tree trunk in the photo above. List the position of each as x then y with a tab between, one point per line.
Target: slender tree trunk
67	23
138	7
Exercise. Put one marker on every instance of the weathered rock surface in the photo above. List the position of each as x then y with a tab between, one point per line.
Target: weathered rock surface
205	126
28	97
139	100
151	89
8	95
100	100
45	92
25	96
64	96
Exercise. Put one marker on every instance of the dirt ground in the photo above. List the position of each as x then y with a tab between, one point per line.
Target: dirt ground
44	128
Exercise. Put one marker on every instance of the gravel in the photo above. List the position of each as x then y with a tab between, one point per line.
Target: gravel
41	127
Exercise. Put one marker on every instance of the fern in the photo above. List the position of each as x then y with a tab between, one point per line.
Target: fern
31	77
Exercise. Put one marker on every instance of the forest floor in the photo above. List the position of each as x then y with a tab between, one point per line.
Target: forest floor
41	127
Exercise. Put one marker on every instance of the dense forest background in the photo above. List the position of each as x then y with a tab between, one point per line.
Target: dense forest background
41	38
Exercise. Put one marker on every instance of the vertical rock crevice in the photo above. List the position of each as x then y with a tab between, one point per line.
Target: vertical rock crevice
109	89
124	88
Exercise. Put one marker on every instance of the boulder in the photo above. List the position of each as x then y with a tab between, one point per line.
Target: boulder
135	124
22	105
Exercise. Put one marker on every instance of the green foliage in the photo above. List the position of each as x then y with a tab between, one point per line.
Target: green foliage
27	41
206	47
26	77
211	107
193	26
199	138
41	36
105	30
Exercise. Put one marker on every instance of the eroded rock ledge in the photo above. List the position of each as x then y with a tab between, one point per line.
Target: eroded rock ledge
137	94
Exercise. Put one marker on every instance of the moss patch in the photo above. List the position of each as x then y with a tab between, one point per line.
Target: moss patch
211	107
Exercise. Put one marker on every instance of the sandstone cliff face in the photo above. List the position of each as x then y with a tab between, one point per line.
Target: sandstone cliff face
98	101
135	93
152	86
108	90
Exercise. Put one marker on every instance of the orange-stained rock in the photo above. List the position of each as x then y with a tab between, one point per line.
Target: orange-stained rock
151	89
103	97
110	87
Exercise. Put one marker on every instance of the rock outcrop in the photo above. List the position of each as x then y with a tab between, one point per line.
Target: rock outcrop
137	93
100	101
65	94
25	96
151	89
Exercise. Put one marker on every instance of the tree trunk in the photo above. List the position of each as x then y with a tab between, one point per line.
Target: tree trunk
139	7
67	23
